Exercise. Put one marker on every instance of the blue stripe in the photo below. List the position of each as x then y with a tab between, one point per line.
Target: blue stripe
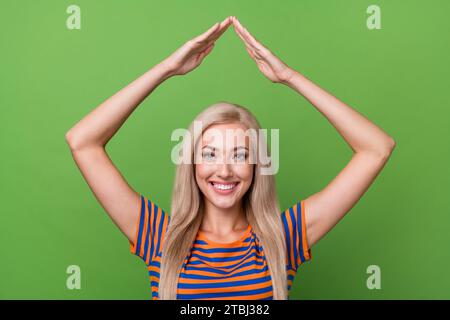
219	285
200	242
300	232
197	263
203	277
220	250
161	222
288	238
155	213
147	237
224	294
248	239
220	271
294	233
221	259
231	266
153	274
141	225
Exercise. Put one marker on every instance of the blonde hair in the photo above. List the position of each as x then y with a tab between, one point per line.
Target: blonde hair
260	206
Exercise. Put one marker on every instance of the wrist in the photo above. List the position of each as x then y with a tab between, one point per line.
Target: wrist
164	70
287	77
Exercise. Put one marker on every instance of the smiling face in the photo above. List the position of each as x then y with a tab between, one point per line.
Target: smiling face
225	172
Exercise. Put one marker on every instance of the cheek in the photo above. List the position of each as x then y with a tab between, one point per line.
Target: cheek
245	172
202	172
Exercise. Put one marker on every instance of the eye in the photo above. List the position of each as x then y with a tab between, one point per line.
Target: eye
240	156
208	155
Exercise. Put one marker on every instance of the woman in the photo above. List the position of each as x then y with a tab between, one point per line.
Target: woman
225	238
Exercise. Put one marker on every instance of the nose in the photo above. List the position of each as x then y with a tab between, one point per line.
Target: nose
224	170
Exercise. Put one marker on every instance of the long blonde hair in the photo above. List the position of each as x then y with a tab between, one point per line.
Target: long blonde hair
260	206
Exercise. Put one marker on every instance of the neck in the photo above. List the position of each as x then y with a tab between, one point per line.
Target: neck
223	221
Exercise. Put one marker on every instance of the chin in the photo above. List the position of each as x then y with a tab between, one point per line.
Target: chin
223	203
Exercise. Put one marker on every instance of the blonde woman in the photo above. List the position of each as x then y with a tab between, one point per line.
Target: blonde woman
225	237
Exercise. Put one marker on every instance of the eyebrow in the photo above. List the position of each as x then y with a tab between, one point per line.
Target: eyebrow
234	149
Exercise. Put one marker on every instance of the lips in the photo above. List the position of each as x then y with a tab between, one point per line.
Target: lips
223	187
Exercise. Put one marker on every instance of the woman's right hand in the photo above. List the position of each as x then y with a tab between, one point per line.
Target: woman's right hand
191	54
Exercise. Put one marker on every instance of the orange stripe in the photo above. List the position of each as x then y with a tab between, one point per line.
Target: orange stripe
298	235
207	273
291	234
222	254
154	239
296	217
222	264
144	231
150	235
237	278
158	220
246	297
226	289
153	268
305	244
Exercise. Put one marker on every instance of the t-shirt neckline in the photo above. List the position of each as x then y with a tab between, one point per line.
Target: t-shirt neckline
201	235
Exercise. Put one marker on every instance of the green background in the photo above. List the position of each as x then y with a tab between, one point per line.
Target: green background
397	77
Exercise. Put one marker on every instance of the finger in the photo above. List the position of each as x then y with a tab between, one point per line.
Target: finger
222	28
208	33
250	52
240	32
248	36
206	52
226	21
241	35
250	49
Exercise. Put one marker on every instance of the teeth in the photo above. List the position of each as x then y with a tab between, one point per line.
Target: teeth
223	186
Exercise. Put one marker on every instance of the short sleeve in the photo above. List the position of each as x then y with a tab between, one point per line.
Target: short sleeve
294	223
150	229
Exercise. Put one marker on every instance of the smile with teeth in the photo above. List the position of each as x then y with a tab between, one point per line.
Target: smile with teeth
224	187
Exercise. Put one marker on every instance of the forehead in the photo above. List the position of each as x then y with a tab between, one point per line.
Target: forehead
231	134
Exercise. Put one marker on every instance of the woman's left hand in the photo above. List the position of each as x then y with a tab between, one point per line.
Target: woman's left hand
270	65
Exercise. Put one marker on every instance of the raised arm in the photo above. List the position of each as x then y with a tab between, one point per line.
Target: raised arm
88	138
372	147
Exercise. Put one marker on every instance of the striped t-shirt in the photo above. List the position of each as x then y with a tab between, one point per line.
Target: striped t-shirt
236	270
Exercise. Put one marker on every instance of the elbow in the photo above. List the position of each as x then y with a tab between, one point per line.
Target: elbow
78	142
70	139
383	150
391	145
387	149
73	141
